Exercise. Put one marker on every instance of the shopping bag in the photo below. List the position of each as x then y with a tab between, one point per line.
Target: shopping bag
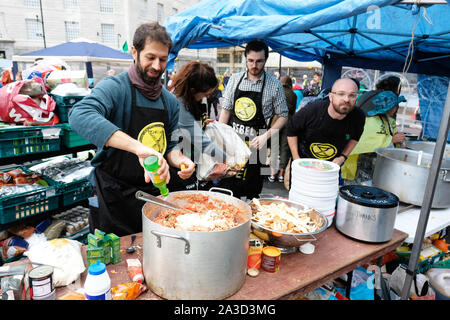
229	141
27	102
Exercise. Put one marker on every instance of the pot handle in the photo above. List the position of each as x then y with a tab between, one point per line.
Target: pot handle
221	189
158	235
302	240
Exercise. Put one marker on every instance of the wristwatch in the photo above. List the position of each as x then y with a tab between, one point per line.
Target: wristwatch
343	155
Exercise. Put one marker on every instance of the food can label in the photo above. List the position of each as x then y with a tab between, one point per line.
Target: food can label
270	263
41	288
254	255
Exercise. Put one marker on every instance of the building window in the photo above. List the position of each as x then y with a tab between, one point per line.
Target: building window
144	8
174	11
160	13
106	6
70	4
31	3
72	30
108	33
223	57
237	57
34	29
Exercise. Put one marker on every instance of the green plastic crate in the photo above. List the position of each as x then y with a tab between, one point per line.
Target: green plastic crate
424	265
22	140
75	191
72	139
23	205
64	104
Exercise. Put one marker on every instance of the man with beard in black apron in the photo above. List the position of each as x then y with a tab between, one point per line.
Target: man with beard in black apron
251	99
129	117
327	129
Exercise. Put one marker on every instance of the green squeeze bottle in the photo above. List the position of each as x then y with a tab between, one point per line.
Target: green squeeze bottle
152	166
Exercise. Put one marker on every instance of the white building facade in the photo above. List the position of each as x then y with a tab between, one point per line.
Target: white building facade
29	25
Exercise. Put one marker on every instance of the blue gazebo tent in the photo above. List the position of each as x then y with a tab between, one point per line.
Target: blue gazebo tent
389	35
84	51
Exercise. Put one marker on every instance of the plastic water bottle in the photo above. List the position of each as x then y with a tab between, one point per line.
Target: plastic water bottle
152	166
98	284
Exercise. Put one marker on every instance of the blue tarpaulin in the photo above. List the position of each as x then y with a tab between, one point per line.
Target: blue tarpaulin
373	34
432	91
369	34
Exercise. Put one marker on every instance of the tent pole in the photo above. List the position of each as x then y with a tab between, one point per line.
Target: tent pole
428	196
379	43
279	65
352	37
419	36
327	41
434	58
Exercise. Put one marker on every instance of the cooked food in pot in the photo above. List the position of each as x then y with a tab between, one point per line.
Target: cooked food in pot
284	218
211	214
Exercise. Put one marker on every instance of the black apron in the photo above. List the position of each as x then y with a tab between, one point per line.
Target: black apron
120	176
247	119
192	183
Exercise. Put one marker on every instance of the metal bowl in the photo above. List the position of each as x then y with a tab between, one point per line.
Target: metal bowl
287	239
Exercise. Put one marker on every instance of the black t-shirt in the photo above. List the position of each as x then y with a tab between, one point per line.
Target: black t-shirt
319	135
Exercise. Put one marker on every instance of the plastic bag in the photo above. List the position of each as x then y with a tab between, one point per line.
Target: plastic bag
13	247
19	108
127	291
419	287
43	68
229	141
64	255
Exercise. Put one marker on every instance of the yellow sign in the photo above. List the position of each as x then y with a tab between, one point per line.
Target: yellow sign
323	151
245	108
154	136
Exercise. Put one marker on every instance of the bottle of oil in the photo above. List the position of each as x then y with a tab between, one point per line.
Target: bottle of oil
152	166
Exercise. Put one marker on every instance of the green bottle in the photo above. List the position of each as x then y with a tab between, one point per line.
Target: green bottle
152	166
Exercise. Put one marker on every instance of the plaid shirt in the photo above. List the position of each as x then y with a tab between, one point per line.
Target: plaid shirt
274	100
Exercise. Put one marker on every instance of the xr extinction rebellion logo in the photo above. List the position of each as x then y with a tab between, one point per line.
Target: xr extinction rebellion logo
323	151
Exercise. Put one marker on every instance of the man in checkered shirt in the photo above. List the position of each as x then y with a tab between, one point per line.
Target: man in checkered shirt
251	99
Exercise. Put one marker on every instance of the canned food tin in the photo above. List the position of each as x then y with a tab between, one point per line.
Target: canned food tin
271	259
254	254
41	283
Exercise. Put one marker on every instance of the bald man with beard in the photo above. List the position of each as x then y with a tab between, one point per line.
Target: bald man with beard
327	129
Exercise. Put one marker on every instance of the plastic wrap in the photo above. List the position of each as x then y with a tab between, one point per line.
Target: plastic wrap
229	141
63	169
64	255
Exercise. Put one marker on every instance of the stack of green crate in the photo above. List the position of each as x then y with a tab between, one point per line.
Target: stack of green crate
23	140
64	104
29	203
72	139
103	247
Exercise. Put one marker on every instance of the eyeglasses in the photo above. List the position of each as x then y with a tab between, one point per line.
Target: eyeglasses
340	94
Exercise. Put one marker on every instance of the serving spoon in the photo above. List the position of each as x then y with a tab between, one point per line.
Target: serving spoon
160	202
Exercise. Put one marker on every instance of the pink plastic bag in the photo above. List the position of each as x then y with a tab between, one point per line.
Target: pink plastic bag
19	108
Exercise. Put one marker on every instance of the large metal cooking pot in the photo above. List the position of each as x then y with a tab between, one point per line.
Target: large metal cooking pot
405	173
366	213
192	265
288	239
428	147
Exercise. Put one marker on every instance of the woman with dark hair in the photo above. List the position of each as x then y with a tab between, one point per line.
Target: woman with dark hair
192	84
